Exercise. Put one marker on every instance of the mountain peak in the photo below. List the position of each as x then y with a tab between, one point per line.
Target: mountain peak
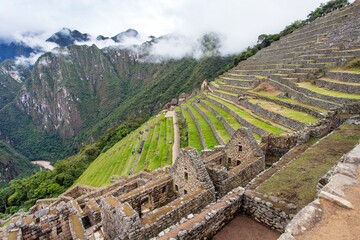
130	33
66	37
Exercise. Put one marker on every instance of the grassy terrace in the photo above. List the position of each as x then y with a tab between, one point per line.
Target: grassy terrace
287	112
297	182
193	134
227	93
250	118
324	91
289	100
123	159
220	129
340	82
233	122
208	135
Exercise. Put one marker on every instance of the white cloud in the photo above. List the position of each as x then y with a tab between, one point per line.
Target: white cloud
239	22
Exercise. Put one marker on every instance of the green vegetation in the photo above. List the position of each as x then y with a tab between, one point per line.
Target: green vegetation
233	122
205	129
297	182
182	128
352	66
147	148
220	129
12	164
324	91
23	193
193	133
250	118
265	40
284	111
289	100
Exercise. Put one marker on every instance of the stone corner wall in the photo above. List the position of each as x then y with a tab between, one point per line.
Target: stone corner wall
268	210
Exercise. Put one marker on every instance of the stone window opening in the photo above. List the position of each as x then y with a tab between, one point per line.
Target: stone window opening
186	176
86	222
185	192
145	205
163	189
238	162
240	148
58	230
176	188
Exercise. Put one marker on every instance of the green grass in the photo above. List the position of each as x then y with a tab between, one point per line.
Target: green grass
219	127
227	93
205	129
324	91
233	122
193	134
289	100
250	118
123	159
287	112
297	182
169	142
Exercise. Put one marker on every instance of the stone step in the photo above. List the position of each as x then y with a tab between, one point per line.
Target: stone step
259	67
245	117
321	65
291	90
327	95
270	113
265	72
291	103
332	84
307	70
239	82
344	76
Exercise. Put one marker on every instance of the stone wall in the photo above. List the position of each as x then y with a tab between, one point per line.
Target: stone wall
158	194
268	210
273	116
197	127
179	209
302	97
347	88
239	176
242	121
343	76
222	120
46	223
218	138
189	173
119	221
291	106
207	223
78	191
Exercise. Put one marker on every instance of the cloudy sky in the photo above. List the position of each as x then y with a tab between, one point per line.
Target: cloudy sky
239	22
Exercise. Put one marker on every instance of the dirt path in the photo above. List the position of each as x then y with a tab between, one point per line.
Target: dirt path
44	164
176	145
245	228
338	223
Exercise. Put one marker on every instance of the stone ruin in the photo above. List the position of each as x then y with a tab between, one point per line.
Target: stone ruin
142	206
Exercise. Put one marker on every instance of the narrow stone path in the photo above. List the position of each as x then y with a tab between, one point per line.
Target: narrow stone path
176	145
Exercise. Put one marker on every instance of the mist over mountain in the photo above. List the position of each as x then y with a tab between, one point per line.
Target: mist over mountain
27	48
